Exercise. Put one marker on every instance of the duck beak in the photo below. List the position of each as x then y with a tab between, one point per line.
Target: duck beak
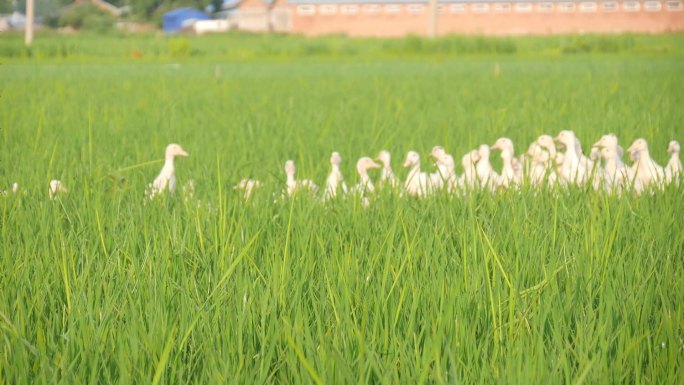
495	146
407	163
183	153
597	144
373	165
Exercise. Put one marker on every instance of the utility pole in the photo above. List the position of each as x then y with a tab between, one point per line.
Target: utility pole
433	18
28	37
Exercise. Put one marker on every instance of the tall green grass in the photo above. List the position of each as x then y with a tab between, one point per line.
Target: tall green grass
519	287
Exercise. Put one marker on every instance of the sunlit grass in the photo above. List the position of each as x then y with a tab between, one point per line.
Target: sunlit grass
553	287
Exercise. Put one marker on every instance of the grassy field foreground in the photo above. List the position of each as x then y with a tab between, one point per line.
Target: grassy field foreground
519	287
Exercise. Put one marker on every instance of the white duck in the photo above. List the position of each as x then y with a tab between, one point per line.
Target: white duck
387	177
445	174
607	140
615	174
645	171
15	189
248	186
508	176
166	180
365	185
485	173
468	180
293	185
571	169
545	161
548	143
673	170
335	179
55	188
417	182
541	166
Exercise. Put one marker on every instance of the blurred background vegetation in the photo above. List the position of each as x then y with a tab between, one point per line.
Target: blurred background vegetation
85	16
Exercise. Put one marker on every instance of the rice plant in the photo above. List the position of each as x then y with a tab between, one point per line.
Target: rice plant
101	286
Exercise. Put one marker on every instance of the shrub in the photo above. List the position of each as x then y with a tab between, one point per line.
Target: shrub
179	47
88	17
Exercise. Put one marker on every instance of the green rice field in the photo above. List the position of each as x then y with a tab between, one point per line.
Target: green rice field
517	287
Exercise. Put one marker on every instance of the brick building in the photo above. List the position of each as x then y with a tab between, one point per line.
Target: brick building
392	18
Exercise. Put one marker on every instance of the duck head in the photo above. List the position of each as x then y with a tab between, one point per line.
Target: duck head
637	147
290	168
608	140
608	153
673	147
484	151
365	163
335	159
595	153
567	139
173	150
384	157
438	152
412	159
55	188
470	158
546	141
505	145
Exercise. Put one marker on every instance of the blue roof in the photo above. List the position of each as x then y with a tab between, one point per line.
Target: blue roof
180	18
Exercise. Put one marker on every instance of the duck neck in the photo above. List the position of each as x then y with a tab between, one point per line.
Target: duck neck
483	164
386	171
507	160
168	168
674	158
611	164
363	176
290	179
644	157
552	151
168	161
415	170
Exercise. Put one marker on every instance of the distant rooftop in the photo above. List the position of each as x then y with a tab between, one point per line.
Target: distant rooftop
428	1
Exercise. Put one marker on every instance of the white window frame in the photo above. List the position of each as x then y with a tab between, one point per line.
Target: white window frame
392	9
479	8
371	9
588	7
415	9
327	9
609	6
349	9
653	6
567	7
674	6
502	7
458	8
306	10
545	8
523	7
631	6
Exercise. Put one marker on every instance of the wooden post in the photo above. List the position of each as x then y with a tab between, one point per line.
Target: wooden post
28	37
